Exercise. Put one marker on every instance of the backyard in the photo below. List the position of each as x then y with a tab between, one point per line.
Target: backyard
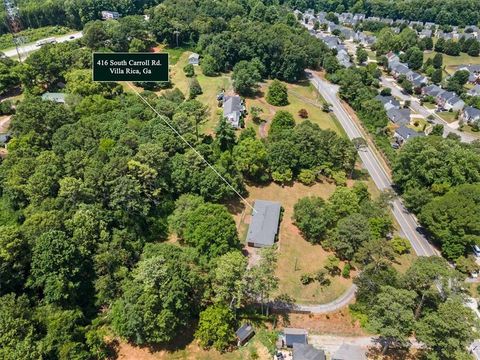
451	62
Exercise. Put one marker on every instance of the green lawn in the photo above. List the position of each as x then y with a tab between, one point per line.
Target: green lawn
450	62
175	53
448	116
418	124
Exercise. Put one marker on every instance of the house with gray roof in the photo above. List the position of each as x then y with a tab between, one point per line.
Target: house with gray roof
233	109
474	349
442	98
307	352
425	33
432	90
388	102
263	228
430	25
475	91
343	58
399	69
470	114
454	103
403	134
349	352
399	116
55	97
292	336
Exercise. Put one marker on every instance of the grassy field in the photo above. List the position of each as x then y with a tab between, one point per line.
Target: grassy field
296	255
451	62
300	96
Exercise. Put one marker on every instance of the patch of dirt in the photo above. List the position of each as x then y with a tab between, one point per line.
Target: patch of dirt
5	123
337	323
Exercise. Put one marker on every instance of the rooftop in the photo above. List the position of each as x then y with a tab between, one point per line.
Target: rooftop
264	224
307	352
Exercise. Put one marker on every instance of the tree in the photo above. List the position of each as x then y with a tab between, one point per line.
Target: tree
225	134
137	45
261	280
246	76
229	283
160	297
450	219
392	315
414	57
344	202
194	88
351	232
474	49
277	94
189	70
362	55
251	159
282	120
59	276
437	130
437	61
14	259
449	330
209	66
303	113
437	76
80	82
210	229
425	276
312	217
332	265
216	327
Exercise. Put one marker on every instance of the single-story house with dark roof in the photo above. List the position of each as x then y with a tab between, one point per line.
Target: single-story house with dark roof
293	335
263	228
55	97
244	333
349	352
471	114
307	352
399	116
194	59
403	134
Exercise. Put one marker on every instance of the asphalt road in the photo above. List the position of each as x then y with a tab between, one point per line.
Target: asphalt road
28	48
408	223
422	110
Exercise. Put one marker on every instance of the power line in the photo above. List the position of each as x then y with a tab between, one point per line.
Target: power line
191	147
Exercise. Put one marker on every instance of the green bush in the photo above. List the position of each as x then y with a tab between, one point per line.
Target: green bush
346	270
277	94
307	176
189	70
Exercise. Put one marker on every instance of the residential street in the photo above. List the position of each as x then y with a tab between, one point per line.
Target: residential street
407	222
422	110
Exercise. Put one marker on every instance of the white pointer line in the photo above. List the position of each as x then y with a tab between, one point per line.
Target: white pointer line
191	147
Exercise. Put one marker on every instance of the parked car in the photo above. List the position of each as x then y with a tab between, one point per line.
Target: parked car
476	250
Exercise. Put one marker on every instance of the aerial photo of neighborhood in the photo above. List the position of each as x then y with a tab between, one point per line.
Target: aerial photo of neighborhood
240	180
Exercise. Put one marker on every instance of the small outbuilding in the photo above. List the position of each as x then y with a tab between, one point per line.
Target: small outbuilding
294	336
264	224
349	352
307	352
244	333
194	59
55	97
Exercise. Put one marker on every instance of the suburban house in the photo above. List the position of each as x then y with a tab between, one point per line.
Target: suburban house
432	90
470	114
392	59
416	79
388	102
194	59
475	349
55	97
403	134
349	352
244	333
399	69
292	336
343	58
442	98
399	116
429	25
425	33
415	24
307	352
233	109
454	103
263	228
475	91
110	15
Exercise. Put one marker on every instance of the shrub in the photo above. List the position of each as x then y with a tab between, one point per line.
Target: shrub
400	245
307	176
189	70
277	94
346	270
306	279
303	113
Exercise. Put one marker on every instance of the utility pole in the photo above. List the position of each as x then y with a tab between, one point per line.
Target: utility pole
176	32
14	25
